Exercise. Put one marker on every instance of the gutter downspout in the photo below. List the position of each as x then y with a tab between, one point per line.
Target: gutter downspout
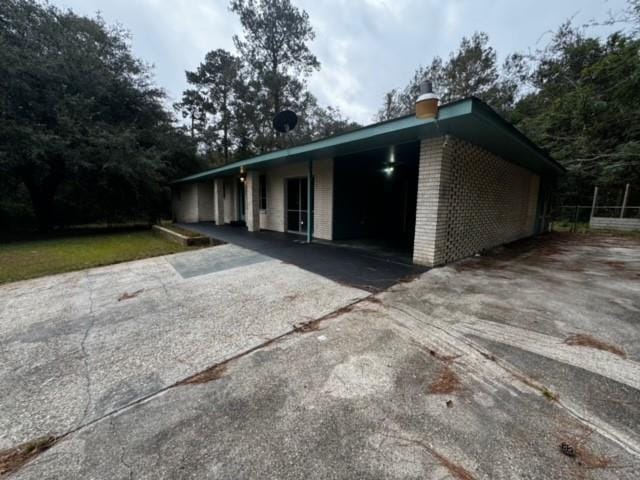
309	202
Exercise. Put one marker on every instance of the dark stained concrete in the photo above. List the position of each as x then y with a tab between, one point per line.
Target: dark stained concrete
370	270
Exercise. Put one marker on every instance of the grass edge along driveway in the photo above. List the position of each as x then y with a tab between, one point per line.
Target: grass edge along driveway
36	258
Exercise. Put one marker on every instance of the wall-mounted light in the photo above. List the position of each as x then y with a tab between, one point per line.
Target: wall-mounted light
243	174
390	164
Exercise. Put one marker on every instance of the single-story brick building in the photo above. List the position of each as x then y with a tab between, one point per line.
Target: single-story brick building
442	188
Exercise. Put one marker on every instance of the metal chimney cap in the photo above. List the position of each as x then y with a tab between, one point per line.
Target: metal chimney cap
426	87
426	91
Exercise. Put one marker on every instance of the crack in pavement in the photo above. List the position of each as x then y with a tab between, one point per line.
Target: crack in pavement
146	398
123	450
85	356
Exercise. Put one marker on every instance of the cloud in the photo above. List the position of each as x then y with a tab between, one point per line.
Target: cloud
366	47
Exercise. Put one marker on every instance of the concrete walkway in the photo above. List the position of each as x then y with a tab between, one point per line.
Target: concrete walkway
368	270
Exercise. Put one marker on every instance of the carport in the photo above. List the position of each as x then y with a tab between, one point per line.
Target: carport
375	198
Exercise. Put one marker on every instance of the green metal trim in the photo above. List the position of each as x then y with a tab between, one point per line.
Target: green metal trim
310	202
467	118
362	136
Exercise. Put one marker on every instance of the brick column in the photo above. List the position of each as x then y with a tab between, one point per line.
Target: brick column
431	222
252	199
218	201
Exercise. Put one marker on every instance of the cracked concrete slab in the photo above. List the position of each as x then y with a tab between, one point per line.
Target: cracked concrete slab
72	351
353	397
355	405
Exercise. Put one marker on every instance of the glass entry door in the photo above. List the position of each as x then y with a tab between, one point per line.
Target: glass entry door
297	207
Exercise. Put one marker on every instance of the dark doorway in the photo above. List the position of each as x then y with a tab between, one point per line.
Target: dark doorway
296	207
375	196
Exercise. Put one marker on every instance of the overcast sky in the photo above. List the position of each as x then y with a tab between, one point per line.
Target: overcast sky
366	47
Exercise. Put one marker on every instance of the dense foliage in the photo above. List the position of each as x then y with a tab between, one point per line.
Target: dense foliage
85	137
83	132
579	98
585	110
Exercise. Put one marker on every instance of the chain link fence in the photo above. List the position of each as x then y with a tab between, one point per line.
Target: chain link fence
570	218
576	218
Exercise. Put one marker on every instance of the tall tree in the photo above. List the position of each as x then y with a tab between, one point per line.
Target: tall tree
78	113
471	70
275	48
584	109
209	104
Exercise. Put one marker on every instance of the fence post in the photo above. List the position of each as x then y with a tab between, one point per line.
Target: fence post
593	205
624	200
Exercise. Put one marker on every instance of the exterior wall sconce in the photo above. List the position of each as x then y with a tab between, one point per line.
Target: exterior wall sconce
390	164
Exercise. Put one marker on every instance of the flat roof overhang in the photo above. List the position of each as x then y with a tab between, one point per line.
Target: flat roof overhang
469	119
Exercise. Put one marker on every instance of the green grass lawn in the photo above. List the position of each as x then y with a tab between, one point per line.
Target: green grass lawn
29	259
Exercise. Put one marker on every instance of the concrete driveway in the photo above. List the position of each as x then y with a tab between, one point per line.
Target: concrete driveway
524	363
79	346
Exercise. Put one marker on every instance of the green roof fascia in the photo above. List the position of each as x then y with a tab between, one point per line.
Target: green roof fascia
399	130
469	119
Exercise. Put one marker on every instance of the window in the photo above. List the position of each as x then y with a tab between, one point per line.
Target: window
263	192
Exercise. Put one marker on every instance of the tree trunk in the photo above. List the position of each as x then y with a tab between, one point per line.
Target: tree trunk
225	126
42	194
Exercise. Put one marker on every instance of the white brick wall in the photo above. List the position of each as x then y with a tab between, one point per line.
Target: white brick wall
230	199
218	203
185	203
252	212
433	174
274	217
323	199
469	200
205	201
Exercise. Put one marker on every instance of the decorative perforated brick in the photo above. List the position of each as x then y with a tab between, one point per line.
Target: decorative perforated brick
469	200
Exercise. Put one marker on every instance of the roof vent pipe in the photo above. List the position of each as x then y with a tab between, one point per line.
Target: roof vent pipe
427	102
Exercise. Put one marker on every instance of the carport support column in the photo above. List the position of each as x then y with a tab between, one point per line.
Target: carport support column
431	219
252	205
310	202
218	201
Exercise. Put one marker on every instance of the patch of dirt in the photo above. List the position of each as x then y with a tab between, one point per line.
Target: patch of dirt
543	250
210	374
14	458
446	383
312	326
128	296
456	471
583	340
374	300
